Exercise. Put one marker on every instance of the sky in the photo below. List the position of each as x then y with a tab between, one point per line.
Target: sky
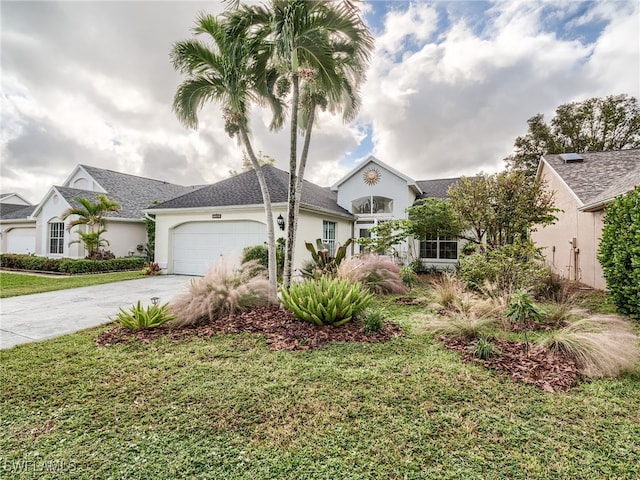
449	88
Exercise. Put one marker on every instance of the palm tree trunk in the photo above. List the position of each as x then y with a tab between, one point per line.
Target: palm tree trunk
293	160
266	198
302	165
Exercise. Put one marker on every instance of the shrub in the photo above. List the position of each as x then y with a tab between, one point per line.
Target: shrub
322	263
70	265
485	349
100	255
261	254
376	273
373	320
151	268
408	276
603	345
521	309
519	266
326	301
619	252
461	325
223	290
445	289
141	318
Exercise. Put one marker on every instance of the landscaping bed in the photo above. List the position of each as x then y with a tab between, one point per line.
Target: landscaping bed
282	330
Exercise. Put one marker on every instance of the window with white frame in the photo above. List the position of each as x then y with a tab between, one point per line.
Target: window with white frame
371	205
56	237
439	248
329	236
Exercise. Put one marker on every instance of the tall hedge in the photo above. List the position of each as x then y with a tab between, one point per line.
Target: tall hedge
619	252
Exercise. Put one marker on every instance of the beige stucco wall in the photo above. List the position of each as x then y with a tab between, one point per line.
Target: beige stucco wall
125	236
309	227
585	227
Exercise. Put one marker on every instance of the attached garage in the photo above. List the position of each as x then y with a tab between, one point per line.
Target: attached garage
197	245
21	240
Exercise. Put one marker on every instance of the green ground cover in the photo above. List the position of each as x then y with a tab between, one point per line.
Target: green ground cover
14	284
229	407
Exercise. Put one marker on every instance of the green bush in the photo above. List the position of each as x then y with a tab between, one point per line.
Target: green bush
260	253
140	318
373	320
69	265
484	349
519	266
326	301
619	252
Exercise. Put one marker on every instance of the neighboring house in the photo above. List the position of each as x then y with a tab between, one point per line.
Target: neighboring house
583	184
126	231
195	229
17	230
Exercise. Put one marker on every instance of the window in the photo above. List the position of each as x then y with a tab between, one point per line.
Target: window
442	248
364	233
56	237
329	236
370	205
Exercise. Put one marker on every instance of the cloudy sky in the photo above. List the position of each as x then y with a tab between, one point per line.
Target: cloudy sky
449	88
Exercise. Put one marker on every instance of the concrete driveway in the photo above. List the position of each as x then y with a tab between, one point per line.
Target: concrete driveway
30	318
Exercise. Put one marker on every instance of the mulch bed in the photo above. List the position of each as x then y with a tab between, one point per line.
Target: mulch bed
542	368
282	330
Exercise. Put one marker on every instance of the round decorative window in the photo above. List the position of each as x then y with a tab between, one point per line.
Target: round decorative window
371	176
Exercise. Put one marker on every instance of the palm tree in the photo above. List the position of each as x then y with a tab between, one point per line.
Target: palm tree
91	214
233	71
322	47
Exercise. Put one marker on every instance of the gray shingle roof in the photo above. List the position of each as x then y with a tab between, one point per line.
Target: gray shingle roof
601	176
132	192
436	188
10	211
243	189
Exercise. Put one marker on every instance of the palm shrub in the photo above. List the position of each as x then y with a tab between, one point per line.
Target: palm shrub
326	301
142	318
322	263
223	290
376	273
603	345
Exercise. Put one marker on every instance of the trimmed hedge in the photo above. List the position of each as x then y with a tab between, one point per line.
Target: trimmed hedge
72	266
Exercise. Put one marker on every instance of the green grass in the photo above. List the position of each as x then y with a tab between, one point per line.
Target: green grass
14	284
228	407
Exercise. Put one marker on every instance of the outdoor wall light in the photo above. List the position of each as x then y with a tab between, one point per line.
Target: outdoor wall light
280	221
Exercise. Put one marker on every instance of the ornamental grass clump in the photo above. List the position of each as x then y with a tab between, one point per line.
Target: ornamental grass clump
225	289
460	325
326	301
445	290
376	273
602	345
143	318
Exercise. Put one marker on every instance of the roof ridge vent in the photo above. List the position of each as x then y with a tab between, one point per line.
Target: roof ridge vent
571	158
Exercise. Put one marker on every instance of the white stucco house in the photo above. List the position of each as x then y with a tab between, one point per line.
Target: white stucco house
40	229
195	229
583	184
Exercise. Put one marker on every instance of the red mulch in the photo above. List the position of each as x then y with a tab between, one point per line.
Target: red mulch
282	329
542	368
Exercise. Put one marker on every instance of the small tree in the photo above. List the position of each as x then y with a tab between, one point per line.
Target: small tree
619	252
93	215
385	236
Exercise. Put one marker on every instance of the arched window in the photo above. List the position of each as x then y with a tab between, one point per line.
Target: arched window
371	205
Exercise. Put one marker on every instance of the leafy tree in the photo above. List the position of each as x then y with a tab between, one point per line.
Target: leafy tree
233	70
593	125
385	236
501	208
619	252
321	50
91	214
434	217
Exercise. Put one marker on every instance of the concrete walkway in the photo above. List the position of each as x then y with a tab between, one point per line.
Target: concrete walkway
35	317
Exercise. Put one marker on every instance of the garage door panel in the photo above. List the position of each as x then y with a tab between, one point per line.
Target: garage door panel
196	245
21	240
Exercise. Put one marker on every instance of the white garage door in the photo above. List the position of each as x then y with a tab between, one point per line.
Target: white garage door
21	240
196	245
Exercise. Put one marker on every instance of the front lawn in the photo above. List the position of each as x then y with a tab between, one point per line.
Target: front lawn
14	284
230	407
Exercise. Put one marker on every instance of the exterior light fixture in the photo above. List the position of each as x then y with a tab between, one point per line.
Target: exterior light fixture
280	221
155	300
